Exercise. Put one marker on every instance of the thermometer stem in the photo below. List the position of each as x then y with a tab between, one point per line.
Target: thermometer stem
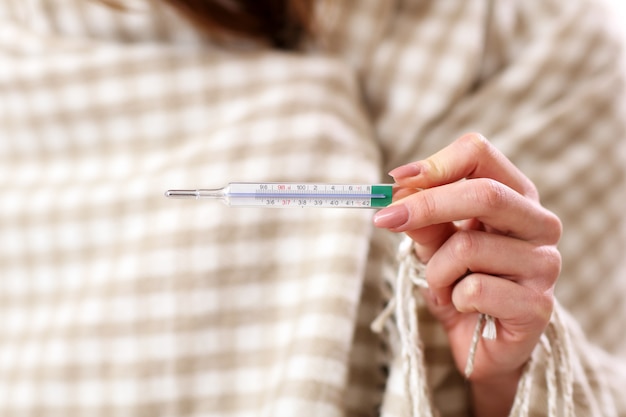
288	195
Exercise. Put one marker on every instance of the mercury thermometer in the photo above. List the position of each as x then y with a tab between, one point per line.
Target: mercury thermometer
288	195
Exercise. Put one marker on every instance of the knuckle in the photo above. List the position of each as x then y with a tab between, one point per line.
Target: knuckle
535	317
427	209
529	189
477	142
463	245
478	146
433	168
544	306
553	228
494	194
551	262
473	287
467	294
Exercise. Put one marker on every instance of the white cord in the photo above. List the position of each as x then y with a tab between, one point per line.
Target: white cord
555	343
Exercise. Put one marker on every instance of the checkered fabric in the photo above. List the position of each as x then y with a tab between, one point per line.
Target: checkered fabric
115	301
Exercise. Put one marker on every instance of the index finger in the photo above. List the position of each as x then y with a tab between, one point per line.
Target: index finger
470	156
494	204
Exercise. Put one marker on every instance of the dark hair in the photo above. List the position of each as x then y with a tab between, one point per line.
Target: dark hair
280	23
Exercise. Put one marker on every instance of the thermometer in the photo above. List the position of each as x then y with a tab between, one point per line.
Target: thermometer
292	195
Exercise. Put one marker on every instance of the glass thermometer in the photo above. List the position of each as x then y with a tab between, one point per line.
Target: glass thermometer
292	195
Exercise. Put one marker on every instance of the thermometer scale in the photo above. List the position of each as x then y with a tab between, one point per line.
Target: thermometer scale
293	195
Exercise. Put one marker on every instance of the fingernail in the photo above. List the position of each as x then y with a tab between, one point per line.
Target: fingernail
392	216
405	171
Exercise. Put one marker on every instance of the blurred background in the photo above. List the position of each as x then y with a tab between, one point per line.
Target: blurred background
619	6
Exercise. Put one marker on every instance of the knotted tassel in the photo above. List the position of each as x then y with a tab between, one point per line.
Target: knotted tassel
403	304
555	343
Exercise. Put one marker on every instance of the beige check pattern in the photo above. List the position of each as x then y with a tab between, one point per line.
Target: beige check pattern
117	302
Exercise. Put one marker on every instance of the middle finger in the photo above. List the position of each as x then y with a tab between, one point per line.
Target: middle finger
534	267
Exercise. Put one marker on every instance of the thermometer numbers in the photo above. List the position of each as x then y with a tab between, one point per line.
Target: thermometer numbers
313	195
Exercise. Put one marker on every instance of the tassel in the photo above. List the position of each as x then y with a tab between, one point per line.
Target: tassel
555	343
403	304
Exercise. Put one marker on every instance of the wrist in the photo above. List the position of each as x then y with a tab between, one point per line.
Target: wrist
494	397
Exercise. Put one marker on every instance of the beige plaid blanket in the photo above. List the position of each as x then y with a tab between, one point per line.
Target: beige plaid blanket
115	301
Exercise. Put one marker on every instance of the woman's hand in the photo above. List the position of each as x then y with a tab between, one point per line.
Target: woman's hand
490	247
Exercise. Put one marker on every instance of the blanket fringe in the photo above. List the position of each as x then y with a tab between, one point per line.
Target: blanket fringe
555	344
